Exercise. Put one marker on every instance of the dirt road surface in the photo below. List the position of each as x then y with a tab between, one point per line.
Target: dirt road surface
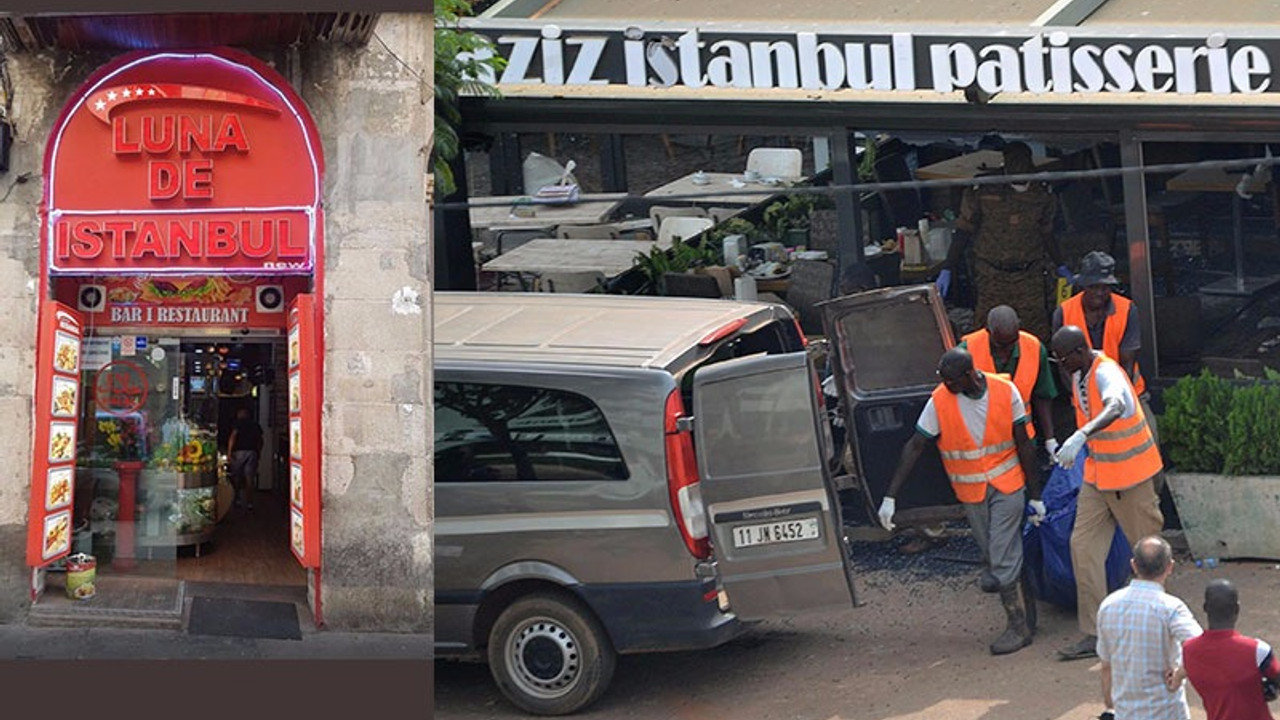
916	648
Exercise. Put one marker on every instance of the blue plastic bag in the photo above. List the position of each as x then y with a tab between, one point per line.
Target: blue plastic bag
1047	548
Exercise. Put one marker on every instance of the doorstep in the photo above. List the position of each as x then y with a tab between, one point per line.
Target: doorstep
120	602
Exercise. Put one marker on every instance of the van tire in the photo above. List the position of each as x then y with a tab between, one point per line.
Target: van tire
549	655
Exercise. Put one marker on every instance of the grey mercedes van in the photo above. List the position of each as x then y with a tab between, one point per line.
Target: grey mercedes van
618	474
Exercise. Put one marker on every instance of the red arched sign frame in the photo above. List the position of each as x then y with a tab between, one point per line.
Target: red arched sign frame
178	163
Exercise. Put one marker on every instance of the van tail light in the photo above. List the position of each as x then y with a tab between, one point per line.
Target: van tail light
804	341
722	332
682	481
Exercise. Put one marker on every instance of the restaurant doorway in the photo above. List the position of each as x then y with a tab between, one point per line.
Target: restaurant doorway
193	521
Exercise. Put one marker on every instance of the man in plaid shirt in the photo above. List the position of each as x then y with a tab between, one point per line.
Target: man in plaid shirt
1141	629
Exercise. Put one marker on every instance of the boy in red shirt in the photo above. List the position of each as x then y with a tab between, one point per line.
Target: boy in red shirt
1227	669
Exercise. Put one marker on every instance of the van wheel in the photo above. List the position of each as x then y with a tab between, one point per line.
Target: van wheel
549	655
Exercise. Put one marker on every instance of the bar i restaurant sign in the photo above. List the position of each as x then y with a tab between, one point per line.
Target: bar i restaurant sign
551	59
183	163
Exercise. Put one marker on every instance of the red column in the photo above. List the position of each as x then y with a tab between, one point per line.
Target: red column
126	522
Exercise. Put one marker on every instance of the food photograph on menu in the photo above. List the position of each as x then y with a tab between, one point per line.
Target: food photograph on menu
57	491
64	397
295	350
62	441
296	534
66	354
57	534
295	394
295	438
295	483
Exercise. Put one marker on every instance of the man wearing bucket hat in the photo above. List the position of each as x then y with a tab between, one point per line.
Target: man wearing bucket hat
1110	321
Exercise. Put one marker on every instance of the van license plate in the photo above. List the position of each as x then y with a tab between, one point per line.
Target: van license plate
775	532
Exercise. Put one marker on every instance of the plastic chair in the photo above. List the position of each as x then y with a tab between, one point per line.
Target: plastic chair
720	214
658	213
776	162
509	238
569	282
685	228
690	285
606	231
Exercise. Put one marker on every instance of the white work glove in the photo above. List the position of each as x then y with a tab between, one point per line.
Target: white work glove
1038	512
886	513
1051	447
1070	449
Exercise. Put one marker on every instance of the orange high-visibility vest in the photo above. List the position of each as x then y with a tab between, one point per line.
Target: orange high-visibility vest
1024	377
1112	330
1124	453
972	467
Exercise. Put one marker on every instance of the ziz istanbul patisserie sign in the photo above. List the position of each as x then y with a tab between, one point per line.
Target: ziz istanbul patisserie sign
1053	63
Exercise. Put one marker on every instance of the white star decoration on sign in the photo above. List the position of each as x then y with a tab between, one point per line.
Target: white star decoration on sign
103	102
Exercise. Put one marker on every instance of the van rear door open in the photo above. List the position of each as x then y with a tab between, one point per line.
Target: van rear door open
885	346
774	519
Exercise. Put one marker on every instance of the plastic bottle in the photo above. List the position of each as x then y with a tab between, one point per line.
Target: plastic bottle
1211	562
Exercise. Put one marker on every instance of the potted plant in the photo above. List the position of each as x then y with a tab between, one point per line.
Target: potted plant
1221	442
681	257
789	218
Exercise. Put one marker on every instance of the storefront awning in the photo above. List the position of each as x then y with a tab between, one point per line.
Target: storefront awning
34	33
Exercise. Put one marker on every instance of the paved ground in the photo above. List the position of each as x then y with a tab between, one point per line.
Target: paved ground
915	649
21	642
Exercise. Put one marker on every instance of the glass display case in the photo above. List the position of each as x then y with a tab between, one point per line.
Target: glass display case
178	486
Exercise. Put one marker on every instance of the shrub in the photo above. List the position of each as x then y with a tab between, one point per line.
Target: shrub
1216	425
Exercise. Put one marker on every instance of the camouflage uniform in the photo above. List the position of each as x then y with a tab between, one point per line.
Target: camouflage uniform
1011	232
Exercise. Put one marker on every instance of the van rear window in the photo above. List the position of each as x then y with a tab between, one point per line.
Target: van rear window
510	433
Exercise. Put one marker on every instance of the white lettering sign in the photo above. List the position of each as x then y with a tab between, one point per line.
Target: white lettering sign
1045	63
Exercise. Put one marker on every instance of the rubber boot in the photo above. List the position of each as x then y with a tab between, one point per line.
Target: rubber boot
1015	635
988	582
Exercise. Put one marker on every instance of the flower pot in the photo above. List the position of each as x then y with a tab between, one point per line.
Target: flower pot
1226	516
796	237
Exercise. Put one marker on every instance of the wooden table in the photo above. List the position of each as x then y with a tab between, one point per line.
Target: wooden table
553	255
1216	179
970	165
588	212
709	193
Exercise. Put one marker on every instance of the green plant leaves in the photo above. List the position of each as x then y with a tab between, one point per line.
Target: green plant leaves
1225	426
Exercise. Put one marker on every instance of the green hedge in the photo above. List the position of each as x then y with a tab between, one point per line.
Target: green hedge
1216	425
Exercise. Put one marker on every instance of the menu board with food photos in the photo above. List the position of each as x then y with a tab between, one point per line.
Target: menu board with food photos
304	431
53	462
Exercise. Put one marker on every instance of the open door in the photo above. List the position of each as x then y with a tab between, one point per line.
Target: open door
304	432
774	519
57	411
885	345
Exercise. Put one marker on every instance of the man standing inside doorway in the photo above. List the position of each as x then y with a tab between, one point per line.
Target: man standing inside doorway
244	448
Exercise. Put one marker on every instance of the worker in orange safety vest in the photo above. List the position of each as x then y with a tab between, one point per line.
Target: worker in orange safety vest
979	424
1002	347
1119	472
1110	322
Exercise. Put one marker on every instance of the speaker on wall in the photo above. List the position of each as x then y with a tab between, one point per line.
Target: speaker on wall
92	298
269	298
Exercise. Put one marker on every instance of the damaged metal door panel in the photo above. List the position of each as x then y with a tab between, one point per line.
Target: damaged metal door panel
885	345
